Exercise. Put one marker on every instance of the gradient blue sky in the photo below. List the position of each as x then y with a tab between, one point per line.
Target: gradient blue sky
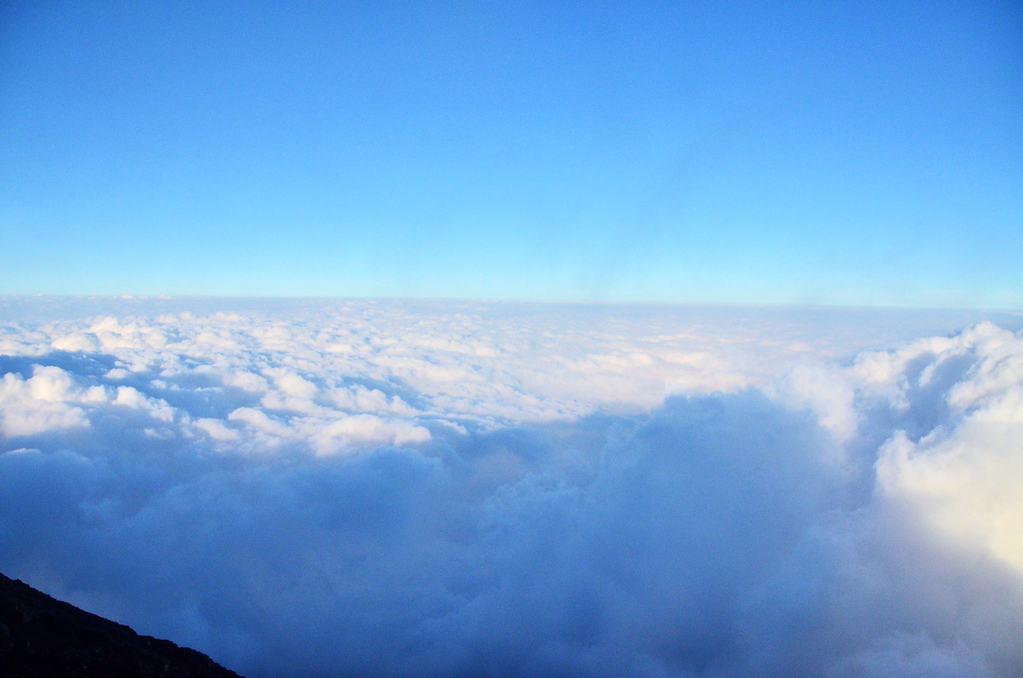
828	153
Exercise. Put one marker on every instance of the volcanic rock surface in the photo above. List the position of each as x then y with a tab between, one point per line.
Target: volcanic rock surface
42	636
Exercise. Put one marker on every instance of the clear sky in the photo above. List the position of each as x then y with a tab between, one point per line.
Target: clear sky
782	152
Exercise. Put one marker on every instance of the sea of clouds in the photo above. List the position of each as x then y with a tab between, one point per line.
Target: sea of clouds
389	488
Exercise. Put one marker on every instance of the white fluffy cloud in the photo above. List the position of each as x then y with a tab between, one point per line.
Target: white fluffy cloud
46	400
386	488
965	475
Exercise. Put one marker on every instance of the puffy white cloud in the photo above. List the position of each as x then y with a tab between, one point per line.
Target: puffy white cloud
216	429
329	438
43	401
390	488
828	392
965	474
259	421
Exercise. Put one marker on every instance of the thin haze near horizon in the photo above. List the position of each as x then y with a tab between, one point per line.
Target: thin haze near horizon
838	153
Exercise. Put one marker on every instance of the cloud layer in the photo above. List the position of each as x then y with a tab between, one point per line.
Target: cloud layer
376	489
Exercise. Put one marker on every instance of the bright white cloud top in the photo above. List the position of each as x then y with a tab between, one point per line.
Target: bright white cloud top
459	488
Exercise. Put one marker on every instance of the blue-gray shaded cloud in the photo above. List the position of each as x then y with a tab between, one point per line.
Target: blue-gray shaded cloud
798	530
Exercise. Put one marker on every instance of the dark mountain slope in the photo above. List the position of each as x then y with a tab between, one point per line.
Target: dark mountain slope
42	636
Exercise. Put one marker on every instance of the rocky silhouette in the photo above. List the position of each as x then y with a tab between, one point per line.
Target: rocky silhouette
42	636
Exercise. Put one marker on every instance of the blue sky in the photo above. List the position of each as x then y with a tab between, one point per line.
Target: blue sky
853	153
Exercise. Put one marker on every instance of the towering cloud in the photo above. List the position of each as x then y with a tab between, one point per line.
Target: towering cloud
382	489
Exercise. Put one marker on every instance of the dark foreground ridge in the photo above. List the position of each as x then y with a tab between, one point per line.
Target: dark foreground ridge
42	636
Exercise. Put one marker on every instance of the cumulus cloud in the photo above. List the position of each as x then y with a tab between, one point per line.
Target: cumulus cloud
44	401
965	474
379	489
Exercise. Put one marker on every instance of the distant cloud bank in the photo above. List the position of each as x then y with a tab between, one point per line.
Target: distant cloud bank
462	489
